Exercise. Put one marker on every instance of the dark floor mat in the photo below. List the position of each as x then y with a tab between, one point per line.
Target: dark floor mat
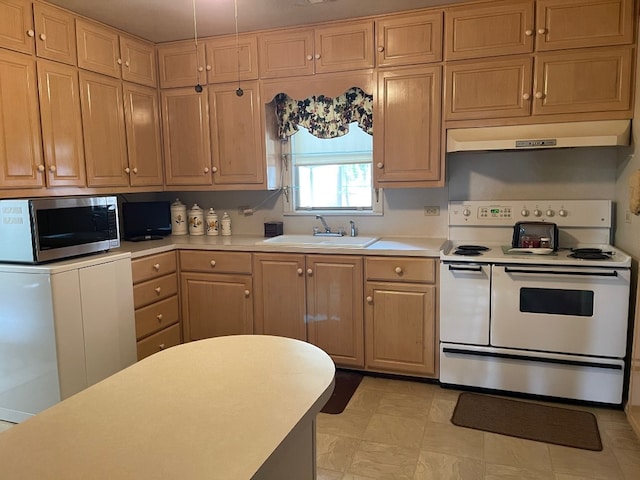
346	384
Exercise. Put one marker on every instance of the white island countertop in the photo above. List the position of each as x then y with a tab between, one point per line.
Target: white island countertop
238	407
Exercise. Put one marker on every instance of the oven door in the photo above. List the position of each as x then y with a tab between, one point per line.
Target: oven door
560	309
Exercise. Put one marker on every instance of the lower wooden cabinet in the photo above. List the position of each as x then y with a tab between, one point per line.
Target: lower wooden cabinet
400	315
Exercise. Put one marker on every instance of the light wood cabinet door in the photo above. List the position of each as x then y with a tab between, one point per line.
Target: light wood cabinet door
492	88
144	145
334	307
286	53
98	48
214	305
406	146
344	47
20	143
230	60
185	129
489	30
55	34
138	61
60	117
16	25
581	81
400	328
237	137
181	65
409	39
279	301
104	131
562	24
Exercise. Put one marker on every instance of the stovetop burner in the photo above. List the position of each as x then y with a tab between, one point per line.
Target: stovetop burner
590	254
470	250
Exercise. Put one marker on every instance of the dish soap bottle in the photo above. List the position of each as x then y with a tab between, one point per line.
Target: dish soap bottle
226	224
212	222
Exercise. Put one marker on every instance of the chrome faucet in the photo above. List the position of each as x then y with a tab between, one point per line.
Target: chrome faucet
327	230
354	230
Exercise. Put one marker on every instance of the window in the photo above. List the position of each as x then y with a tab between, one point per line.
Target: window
331	150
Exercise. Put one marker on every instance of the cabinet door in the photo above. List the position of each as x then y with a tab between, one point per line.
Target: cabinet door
16	25
60	113
334	307
142	120
104	131
236	135
400	328
286	53
279	285
138	61
579	81
229	60
407	140
215	305
180	65
489	30
185	129
55	34
493	88
409	39
601	23
344	47
20	144
98	48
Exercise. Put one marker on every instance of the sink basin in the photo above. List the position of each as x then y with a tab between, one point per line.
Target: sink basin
319	241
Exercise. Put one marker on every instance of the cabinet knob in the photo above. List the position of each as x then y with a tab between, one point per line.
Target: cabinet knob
526	96
126	64
309	272
542	31
30	33
369	299
212	263
43	36
247	293
135	169
214	169
157	290
200	69
300	271
317	56
52	168
379	164
161	346
539	95
119	61
159	317
398	270
206	169
156	267
127	170
41	168
309	57
528	33
381	48
208	68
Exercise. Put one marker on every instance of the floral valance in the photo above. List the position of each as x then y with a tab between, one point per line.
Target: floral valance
325	117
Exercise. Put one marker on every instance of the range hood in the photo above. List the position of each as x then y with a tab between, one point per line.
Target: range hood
550	135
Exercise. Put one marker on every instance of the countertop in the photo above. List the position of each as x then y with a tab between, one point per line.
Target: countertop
215	409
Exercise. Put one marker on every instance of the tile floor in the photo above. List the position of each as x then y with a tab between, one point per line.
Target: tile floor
397	430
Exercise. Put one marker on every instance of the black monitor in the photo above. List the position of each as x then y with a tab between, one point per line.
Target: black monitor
146	220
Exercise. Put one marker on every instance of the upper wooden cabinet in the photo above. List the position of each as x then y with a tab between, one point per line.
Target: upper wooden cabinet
98	48
55	33
230	59
138	61
487	30
562	24
16	25
181	64
409	39
332	48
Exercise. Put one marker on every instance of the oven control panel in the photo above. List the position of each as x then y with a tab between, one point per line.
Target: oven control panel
567	213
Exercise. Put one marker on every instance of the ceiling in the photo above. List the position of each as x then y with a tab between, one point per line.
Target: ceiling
167	20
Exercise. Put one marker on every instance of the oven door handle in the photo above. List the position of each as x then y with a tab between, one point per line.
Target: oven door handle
590	273
474	268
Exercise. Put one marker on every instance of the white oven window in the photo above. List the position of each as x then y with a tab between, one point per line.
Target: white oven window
557	301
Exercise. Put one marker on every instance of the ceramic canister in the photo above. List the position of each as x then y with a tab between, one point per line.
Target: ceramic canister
178	218
196	220
212	222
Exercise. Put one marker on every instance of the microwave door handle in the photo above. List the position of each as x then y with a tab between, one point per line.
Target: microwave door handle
474	268
613	273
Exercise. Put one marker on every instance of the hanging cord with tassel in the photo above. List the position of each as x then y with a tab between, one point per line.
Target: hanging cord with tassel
239	91
198	87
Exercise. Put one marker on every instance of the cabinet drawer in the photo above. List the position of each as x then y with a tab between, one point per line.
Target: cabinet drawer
157	316
162	340
154	290
153	266
215	262
401	269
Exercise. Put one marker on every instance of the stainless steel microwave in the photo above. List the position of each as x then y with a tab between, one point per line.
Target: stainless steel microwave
46	229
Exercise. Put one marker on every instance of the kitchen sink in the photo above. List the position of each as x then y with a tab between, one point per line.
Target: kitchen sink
319	241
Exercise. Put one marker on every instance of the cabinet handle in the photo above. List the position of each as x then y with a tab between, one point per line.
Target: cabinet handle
309	57
135	169
159	317
300	271
214	169
208	68
52	168
127	170
381	48
119	61
206	169
126	64
528	33
526	96
30	33
157	290
247	293
156	267
539	95
200	69
379	164
398	270
41	168
542	31
309	272
212	263
161	346
369	299
317	56
43	36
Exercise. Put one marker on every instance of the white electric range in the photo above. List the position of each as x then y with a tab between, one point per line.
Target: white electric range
548	323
